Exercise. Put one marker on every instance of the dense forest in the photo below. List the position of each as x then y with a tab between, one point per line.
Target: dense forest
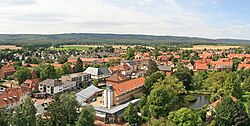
45	40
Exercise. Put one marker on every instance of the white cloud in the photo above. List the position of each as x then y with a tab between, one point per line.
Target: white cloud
159	17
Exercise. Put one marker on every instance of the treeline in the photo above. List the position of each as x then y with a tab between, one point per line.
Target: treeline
36	40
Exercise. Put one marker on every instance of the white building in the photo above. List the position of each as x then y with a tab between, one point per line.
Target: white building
54	86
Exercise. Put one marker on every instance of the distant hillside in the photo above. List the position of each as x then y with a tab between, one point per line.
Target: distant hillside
89	38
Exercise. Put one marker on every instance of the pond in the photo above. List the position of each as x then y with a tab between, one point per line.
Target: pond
201	100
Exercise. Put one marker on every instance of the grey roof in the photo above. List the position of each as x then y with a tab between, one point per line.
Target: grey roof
97	71
164	68
51	82
130	62
86	93
117	108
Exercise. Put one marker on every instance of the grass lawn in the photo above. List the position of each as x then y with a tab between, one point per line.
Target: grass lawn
68	47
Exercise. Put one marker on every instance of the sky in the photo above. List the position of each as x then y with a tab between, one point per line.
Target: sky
194	18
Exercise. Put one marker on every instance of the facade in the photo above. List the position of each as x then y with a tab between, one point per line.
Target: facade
7	71
30	85
82	79
123	92
129	67
12	97
98	73
54	86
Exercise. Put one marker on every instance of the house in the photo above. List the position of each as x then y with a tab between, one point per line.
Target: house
82	79
219	66
86	95
166	69
98	73
30	85
116	78
243	66
200	66
129	66
54	86
12	97
120	93
7	71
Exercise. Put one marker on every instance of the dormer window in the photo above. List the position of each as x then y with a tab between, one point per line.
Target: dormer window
5	99
10	98
15	96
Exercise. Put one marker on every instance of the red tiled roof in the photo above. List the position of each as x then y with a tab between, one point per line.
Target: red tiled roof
10	96
127	86
245	66
30	82
117	77
8	68
201	66
219	100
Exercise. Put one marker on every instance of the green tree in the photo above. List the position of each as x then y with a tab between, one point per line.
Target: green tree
130	53
184	75
185	117
95	83
131	115
55	116
22	74
79	66
86	117
62	59
161	100
59	73
28	111
69	105
152	79
17	117
152	67
66	68
160	122
229	113
246	84
4	117
48	72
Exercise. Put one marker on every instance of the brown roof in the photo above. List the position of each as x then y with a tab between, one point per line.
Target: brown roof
8	68
201	66
117	77
10	96
122	88
28	83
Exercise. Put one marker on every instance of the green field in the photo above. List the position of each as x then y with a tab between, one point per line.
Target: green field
69	47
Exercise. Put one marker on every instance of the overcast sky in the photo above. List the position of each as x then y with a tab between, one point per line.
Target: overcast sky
199	18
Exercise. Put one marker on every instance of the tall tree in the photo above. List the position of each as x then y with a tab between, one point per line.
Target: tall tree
48	72
79	66
28	111
130	53
131	115
22	74
229	113
4	117
66	68
184	75
152	79
69	105
185	117
152	67
86	117
62	59
161	100
17	118
160	122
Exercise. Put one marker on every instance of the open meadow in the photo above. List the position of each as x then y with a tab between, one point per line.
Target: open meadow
11	47
214	47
